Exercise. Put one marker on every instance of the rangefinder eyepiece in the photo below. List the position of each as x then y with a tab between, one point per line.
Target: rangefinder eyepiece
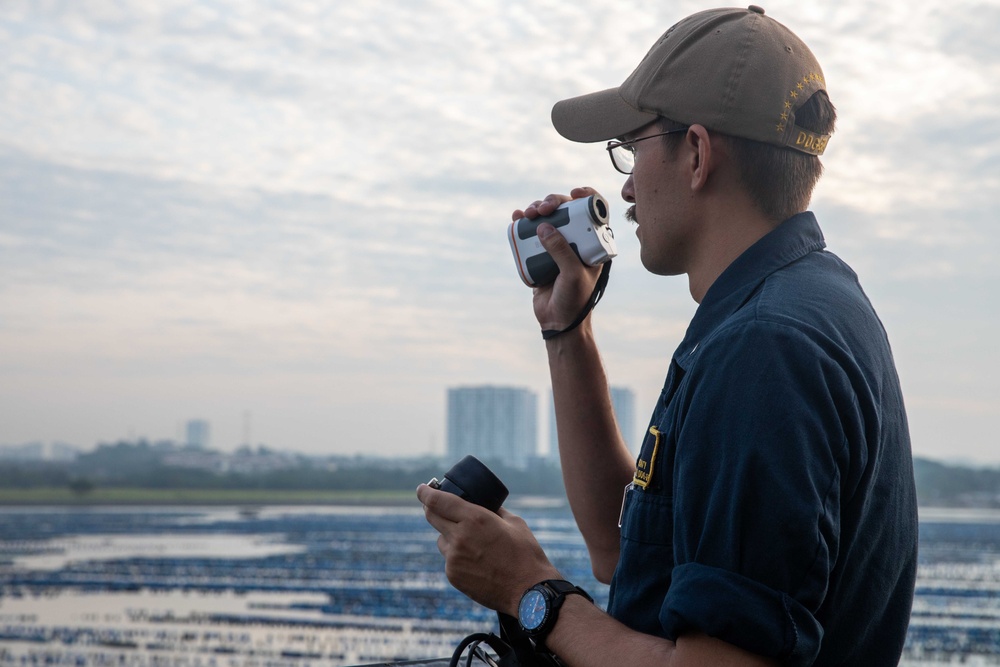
471	480
584	223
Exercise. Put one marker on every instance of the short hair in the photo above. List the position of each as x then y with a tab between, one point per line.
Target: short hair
780	181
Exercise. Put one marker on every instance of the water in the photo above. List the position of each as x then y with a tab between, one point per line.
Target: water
346	586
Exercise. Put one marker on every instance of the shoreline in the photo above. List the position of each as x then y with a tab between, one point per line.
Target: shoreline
254	499
240	498
215	497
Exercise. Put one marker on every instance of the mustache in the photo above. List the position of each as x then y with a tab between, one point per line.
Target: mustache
630	215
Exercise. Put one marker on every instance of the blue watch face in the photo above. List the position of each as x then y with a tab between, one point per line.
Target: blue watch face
532	610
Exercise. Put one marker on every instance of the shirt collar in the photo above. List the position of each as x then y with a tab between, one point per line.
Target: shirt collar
791	240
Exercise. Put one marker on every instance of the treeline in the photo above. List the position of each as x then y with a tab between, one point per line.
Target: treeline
943	485
128	465
141	465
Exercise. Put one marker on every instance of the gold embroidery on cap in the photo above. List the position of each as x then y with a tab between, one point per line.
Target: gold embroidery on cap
793	94
812	143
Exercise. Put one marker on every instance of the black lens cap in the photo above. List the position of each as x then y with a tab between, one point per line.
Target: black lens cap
471	480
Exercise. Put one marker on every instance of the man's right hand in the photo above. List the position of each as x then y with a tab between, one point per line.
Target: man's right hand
558	304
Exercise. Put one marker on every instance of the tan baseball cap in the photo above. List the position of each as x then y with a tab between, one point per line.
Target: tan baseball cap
735	71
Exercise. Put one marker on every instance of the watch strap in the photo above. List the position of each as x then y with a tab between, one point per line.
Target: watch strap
564	588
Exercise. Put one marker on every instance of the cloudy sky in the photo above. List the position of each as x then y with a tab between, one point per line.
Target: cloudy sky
296	211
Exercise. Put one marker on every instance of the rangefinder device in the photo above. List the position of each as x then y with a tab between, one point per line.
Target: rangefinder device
471	480
584	223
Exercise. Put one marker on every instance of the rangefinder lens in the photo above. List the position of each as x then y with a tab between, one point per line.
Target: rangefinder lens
602	210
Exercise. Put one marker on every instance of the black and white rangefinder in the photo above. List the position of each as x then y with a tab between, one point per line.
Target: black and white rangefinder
584	223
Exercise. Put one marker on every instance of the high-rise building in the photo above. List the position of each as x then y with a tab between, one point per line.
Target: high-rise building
623	403
198	433
493	423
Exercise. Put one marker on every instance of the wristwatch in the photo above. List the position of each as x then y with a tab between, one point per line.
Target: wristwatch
539	607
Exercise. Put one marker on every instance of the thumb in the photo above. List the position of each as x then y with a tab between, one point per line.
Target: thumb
557	246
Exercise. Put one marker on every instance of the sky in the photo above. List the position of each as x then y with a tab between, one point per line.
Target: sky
288	218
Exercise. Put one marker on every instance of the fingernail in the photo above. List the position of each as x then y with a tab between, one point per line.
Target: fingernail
545	230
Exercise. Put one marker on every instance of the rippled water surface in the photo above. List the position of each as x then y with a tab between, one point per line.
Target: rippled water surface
346	586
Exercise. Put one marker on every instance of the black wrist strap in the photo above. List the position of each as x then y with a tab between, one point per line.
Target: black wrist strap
602	283
564	588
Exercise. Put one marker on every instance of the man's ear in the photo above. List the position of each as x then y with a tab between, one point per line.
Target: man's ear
700	156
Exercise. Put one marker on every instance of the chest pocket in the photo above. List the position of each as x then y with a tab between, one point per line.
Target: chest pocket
648	518
645	561
647	508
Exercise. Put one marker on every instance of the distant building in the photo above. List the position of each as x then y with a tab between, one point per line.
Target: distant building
623	403
498	423
198	433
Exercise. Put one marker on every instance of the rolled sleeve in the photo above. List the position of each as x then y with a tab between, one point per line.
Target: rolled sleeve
745	612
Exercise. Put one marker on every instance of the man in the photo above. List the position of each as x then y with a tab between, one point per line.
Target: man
771	516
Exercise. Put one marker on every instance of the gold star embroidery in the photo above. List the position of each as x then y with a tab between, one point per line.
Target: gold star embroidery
794	94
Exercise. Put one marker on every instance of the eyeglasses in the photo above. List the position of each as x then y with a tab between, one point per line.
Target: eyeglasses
623	152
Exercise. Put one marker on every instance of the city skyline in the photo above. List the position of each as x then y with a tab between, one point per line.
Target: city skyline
211	210
196	431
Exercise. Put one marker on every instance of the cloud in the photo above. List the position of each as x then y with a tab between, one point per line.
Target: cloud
300	207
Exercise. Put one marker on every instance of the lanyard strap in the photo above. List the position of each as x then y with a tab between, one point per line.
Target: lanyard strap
602	282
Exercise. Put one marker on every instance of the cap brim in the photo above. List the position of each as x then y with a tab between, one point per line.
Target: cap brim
598	117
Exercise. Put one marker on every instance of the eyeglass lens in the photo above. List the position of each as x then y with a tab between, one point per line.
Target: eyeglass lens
624	158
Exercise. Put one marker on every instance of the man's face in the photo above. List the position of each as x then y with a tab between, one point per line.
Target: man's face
656	188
